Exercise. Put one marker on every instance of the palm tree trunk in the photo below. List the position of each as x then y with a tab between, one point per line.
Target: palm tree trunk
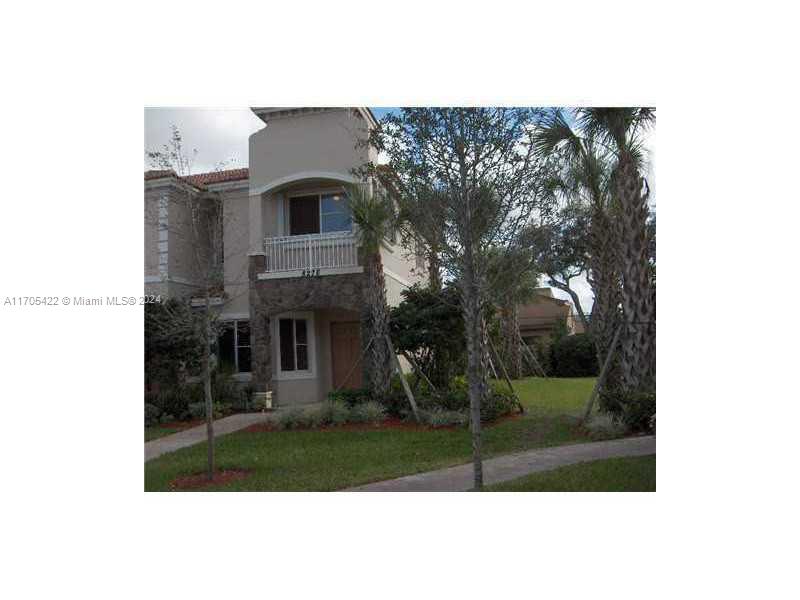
638	343
378	365
606	285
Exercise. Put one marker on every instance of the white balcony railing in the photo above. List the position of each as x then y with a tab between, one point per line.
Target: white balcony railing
316	251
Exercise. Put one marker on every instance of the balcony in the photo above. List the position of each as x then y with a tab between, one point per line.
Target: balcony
310	255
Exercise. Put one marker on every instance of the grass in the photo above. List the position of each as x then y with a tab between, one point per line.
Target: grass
631	474
157	431
330	460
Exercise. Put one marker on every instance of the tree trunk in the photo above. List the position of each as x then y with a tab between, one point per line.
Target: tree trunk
477	358
434	271
511	352
207	389
638	342
378	365
605	282
565	287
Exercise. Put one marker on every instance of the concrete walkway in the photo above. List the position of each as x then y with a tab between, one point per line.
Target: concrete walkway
196	435
512	466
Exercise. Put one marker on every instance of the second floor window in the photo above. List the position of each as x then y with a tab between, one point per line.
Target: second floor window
319	213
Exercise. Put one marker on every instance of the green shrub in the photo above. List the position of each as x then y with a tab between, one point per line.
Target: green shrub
339	413
166	418
396	404
292	418
222	409
173	401
574	356
500	403
428	325
634	409
197	410
605	426
225	390
152	414
350	397
368	412
444	418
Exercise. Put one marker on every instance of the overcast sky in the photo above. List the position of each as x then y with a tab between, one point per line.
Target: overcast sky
221	134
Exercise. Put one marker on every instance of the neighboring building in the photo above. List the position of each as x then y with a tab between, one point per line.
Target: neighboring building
293	287
541	317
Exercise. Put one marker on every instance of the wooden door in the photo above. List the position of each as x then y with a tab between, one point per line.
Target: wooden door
345	352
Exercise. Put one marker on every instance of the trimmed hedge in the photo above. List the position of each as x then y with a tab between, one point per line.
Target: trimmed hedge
574	356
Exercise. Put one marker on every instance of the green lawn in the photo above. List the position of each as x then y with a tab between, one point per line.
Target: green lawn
157	431
329	460
632	474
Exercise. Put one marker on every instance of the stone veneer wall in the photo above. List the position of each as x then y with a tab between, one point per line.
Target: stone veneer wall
271	297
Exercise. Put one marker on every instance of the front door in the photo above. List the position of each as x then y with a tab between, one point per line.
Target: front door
345	353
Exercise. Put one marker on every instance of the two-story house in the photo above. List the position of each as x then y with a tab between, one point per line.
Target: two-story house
293	288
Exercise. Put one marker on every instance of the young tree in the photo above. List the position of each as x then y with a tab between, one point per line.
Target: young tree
468	182
512	281
197	220
374	215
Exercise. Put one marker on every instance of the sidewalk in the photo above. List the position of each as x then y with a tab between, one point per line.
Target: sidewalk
195	435
512	466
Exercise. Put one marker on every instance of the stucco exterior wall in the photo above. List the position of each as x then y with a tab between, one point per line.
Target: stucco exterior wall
236	207
151	200
307	142
293	392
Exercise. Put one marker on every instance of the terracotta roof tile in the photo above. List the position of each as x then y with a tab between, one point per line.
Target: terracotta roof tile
218	176
201	180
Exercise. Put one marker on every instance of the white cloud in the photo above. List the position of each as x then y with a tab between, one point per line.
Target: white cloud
218	134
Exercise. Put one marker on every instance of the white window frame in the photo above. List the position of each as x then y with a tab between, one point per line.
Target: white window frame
311	332
319	193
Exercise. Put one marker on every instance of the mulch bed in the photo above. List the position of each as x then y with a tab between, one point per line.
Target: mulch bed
199	480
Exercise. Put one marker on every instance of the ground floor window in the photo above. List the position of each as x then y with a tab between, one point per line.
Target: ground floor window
295	334
234	346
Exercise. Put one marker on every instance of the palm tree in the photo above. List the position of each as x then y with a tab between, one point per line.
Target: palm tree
620	131
586	180
374	215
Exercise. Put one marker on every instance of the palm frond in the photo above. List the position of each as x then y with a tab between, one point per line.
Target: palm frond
555	133
374	215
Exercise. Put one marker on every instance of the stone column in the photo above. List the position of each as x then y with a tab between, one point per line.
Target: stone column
260	331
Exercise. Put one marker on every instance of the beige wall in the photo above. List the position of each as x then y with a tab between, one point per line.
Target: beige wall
181	266
291	392
151	199
323	141
236	214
